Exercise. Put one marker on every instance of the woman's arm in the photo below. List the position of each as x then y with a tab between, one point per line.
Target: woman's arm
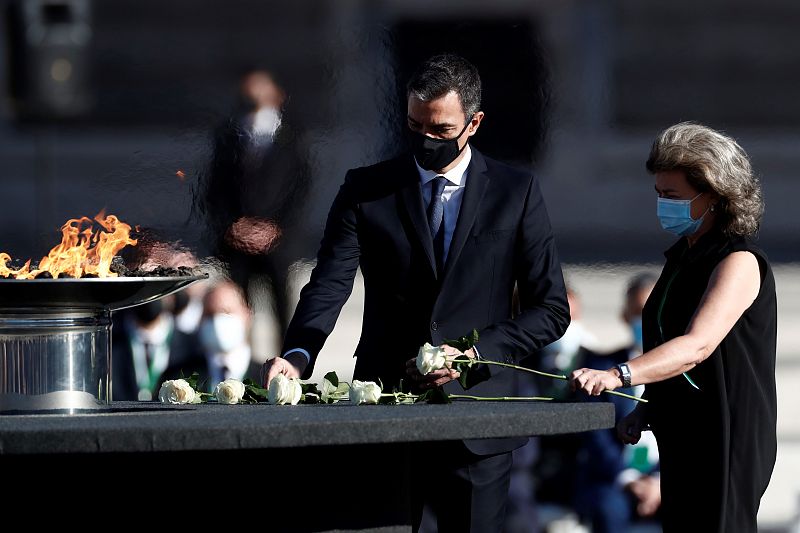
733	287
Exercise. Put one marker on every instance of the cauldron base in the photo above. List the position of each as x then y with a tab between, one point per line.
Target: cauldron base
57	402
55	360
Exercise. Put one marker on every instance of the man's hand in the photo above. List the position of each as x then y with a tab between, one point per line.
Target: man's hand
437	378
292	367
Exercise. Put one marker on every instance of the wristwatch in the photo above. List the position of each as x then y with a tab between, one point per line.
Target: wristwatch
624	374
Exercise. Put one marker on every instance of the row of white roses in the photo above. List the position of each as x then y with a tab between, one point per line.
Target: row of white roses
283	390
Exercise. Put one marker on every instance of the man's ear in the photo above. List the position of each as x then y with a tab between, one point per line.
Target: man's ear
475	123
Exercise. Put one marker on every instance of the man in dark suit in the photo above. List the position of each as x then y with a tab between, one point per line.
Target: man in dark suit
441	238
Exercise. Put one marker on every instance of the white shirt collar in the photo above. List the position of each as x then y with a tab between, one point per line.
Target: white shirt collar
455	175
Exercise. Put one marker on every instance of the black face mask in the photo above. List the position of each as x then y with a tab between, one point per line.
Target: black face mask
435	154
147	313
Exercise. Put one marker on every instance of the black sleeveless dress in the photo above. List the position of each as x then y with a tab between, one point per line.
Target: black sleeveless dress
716	428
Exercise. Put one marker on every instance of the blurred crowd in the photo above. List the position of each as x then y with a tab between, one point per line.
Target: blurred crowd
587	482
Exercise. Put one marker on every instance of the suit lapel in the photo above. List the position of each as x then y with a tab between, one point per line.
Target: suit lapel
477	180
411	195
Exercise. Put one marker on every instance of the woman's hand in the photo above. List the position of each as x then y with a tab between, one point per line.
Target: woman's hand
629	428
593	381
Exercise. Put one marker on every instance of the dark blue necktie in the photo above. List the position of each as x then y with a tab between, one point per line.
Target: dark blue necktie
436	219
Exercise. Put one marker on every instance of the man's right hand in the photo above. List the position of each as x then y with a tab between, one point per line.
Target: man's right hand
292	366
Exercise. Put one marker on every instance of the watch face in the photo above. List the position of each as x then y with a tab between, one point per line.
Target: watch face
624	374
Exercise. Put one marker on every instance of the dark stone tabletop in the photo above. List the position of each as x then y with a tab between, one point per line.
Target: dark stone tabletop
152	427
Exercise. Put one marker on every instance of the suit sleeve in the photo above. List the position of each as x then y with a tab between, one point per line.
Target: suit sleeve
544	311
331	282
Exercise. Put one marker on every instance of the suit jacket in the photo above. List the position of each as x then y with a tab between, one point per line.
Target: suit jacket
502	238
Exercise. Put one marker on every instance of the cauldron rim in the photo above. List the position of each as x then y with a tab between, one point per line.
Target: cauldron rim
52	295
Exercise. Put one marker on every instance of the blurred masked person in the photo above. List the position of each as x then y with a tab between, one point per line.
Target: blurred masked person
567	353
253	198
616	484
554	465
223	335
709	338
145	344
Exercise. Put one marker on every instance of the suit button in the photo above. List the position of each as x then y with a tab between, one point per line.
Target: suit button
434	325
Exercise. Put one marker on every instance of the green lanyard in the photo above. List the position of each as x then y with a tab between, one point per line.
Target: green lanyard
661	310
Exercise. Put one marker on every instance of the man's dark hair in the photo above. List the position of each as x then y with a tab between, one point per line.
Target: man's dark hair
444	73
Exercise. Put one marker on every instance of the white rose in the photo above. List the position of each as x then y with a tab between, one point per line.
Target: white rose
283	390
230	391
327	390
367	392
430	358
177	391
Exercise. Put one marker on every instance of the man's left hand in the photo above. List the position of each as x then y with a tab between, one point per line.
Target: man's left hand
437	378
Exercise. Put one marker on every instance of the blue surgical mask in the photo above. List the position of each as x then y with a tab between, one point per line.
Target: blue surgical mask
676	216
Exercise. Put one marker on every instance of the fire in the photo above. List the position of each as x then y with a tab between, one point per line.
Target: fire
82	251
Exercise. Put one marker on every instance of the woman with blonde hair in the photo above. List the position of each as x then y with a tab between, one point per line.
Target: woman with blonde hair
709	338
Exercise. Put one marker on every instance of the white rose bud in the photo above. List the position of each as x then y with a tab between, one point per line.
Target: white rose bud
177	391
230	391
283	390
430	358
367	392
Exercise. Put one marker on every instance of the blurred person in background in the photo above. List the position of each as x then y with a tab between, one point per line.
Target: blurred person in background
615	484
552	468
223	336
145	344
255	189
189	307
567	353
709	330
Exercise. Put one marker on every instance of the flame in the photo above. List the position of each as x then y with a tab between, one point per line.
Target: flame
82	250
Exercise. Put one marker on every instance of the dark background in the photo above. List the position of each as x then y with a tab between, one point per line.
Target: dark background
577	90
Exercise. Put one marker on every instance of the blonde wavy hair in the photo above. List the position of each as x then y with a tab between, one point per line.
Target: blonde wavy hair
714	162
